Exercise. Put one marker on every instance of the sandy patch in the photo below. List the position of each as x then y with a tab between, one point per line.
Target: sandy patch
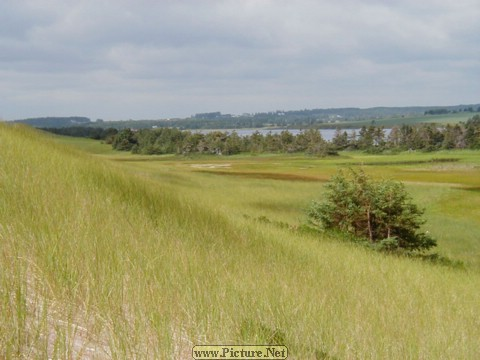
211	166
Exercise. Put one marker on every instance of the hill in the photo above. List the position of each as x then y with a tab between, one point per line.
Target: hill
99	260
293	119
56	122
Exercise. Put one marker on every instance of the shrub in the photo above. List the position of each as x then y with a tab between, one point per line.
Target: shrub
380	212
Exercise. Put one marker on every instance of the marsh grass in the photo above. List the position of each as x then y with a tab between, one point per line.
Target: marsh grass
106	259
272	187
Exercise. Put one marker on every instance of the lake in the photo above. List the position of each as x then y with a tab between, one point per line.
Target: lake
327	134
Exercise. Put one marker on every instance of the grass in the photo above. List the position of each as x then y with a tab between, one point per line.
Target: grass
144	259
449	172
407	120
444	182
92	147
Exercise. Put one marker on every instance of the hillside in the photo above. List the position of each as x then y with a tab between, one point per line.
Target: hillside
102	260
56	122
293	119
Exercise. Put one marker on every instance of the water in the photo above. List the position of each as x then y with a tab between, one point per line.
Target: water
327	134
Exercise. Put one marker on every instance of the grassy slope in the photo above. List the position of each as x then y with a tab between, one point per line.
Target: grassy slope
446	189
148	272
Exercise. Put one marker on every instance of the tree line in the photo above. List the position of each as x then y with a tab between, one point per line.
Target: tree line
96	133
425	137
446	110
56	122
428	137
175	141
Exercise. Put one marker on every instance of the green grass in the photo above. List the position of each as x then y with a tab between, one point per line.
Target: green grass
280	187
87	145
144	259
407	120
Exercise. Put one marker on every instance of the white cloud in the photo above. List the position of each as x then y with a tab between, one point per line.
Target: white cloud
151	59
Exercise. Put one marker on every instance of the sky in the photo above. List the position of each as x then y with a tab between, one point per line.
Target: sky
145	59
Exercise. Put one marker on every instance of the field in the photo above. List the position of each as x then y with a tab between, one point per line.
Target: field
389	122
111	255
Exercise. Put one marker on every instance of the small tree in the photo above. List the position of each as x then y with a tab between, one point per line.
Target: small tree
125	140
381	212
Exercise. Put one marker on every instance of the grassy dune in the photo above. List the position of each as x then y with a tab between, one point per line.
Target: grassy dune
280	187
144	259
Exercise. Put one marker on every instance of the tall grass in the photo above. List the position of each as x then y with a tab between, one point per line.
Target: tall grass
445	188
99	263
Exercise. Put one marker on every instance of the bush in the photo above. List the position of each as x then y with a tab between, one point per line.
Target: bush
380	212
125	140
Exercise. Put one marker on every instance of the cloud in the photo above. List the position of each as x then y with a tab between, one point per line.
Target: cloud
151	59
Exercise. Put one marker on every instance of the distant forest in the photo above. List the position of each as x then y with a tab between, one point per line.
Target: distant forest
56	122
96	133
296	119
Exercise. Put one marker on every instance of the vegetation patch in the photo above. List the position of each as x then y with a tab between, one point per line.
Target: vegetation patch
471	188
371	139
264	175
150	266
254	331
380	212
406	162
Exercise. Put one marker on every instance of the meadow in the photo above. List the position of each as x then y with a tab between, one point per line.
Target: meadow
111	255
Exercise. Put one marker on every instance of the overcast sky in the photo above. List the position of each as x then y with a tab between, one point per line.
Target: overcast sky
147	59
